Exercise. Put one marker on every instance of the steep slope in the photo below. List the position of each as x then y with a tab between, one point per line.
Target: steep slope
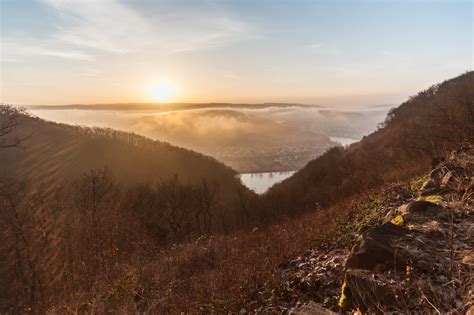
57	152
421	258
412	250
424	127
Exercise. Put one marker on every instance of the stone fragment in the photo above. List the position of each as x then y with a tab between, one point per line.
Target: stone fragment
377	246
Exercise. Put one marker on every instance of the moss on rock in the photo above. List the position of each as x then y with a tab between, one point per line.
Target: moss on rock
436	199
344	301
398	220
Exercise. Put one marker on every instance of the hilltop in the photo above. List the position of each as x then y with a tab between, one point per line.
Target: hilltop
54	153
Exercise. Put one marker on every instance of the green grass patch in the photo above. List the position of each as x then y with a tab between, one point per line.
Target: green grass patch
360	217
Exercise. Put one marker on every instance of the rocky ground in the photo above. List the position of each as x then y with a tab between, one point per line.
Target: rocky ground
420	259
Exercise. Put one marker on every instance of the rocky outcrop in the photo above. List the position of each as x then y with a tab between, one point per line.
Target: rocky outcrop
378	247
421	258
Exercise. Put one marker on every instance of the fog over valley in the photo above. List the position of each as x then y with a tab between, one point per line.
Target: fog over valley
247	137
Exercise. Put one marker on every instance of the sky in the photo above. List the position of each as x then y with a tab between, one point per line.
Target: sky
307	51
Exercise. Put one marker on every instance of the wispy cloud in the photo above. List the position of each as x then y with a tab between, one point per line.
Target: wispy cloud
113	27
76	55
13	49
208	32
103	25
86	30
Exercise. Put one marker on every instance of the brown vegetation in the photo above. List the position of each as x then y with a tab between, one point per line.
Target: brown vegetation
113	258
133	236
425	127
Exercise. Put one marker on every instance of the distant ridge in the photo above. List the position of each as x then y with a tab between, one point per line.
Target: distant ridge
168	106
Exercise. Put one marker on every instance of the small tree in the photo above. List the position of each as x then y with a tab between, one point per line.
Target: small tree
10	119
96	198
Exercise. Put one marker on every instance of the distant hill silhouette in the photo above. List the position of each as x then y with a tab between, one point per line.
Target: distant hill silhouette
173	106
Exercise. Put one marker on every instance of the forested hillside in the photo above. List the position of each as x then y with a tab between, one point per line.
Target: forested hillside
76	201
52	152
421	129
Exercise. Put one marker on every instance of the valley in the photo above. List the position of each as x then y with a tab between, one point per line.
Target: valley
247	137
261	182
306	157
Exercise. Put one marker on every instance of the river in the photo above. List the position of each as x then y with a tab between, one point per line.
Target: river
261	182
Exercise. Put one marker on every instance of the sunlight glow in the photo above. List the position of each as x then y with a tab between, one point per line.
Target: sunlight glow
162	91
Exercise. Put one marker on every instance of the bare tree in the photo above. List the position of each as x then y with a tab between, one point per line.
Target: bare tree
177	206
174	210
31	267
97	201
9	121
207	203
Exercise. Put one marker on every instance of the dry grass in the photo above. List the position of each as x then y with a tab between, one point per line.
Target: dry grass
226	273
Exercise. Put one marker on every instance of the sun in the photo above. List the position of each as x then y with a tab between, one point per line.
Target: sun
162	91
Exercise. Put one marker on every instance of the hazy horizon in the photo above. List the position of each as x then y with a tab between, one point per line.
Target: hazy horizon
341	102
